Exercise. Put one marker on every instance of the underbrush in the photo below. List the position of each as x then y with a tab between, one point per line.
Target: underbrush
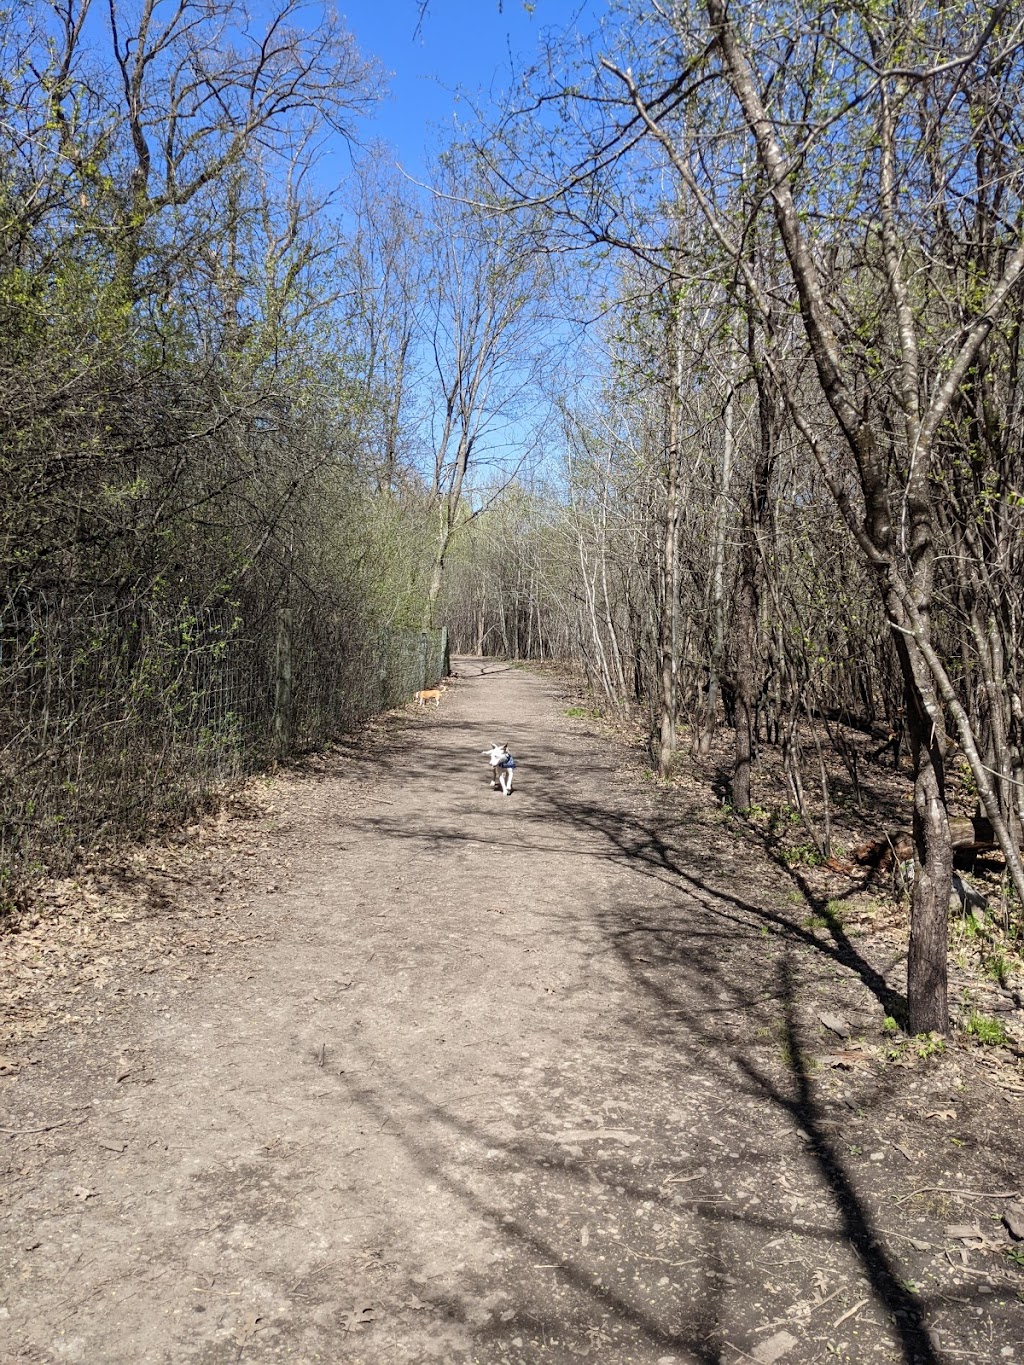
846	850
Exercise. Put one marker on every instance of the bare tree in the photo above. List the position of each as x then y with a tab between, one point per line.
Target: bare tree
196	91
384	273
481	324
893	74
858	165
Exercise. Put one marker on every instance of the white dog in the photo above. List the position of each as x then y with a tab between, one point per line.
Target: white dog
502	765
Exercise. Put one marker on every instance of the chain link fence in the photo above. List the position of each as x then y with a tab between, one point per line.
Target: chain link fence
116	718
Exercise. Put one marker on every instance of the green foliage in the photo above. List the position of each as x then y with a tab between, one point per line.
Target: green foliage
928	1044
971	927
801	855
188	493
998	966
980	1028
835	914
921	1045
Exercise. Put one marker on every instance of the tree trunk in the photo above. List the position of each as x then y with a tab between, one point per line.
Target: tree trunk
747	592
745	629
717	662
445	520
927	985
667	625
434	590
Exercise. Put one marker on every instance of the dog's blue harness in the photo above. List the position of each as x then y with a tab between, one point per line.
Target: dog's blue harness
507	762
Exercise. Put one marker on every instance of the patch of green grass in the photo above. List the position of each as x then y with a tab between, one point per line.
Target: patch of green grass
997	966
971	927
579	712
889	1026
829	917
984	1030
801	855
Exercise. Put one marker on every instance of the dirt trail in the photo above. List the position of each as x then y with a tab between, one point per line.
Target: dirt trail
477	1079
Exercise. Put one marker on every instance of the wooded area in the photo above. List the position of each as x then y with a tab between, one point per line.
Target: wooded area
217	548
795	500
698	371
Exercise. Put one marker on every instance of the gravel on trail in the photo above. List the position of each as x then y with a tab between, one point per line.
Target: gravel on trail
401	1069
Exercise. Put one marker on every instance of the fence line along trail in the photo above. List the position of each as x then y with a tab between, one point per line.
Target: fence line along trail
401	1069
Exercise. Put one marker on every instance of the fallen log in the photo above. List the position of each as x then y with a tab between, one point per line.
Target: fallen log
968	835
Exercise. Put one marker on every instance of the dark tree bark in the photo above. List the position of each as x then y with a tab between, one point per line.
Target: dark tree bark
748	600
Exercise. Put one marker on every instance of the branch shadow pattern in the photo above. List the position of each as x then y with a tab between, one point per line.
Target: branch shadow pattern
690	952
428	1133
645	848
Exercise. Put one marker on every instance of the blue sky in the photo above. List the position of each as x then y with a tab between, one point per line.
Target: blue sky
460	45
463	53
